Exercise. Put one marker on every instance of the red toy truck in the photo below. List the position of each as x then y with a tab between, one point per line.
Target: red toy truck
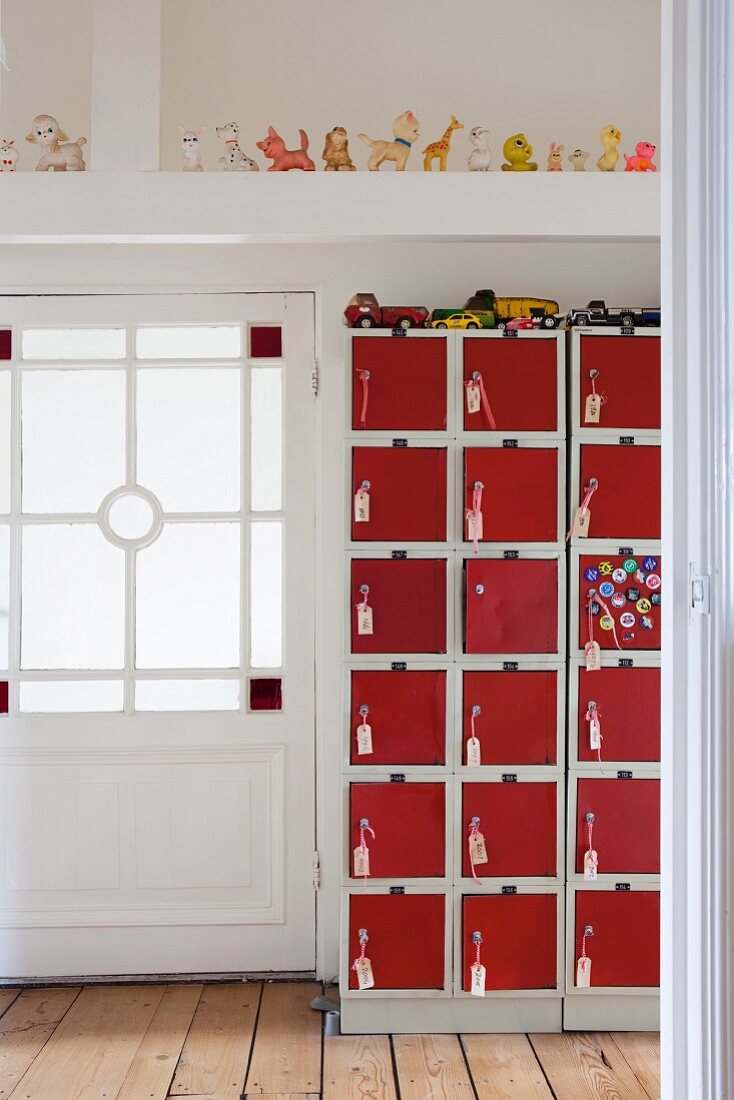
364	311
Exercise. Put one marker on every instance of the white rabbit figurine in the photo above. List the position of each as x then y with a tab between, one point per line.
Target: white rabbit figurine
555	161
8	156
480	157
191	148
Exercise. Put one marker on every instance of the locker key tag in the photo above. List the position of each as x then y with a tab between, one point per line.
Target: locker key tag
583	965
478	972
362	852
364	733
594	402
591	860
477	847
593	656
362	503
362	966
364	612
473	395
473	748
474	518
582	515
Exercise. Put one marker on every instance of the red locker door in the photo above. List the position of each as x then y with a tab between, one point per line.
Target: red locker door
517	721
628	703
519	937
626	503
407	493
409	822
628	379
406	939
626	827
408	601
406	385
630	588
518	821
519	494
625	947
520	380
406	712
512	605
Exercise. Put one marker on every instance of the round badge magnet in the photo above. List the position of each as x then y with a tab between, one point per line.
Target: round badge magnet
647	623
633	594
606	622
650	564
643	606
653	582
618	600
606	589
627	619
606	568
591	574
629	565
619	576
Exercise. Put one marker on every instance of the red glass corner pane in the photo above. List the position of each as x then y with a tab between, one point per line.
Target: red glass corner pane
266	342
6	343
266	693
3	698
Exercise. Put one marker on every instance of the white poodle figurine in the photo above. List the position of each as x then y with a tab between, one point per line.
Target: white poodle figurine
8	156
48	134
480	158
191	148
235	160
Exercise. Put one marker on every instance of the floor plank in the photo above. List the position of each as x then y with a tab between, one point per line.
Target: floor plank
504	1067
641	1049
25	1029
7	996
154	1064
358	1067
92	1048
582	1066
431	1067
287	1052
213	1062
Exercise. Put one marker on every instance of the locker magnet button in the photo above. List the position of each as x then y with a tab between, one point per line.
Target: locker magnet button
643	606
627	619
591	574
653	581
630	565
655	599
619	576
594	607
647	623
606	588
618	600
606	622
650	563
633	594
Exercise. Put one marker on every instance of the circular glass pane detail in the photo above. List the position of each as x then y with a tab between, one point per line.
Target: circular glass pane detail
130	517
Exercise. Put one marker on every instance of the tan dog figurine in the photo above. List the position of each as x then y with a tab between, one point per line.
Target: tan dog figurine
47	133
406	129
336	151
610	138
273	147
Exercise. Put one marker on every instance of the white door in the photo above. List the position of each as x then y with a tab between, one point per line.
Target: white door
156	563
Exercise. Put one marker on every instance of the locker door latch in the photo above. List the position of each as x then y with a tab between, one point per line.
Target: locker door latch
700	591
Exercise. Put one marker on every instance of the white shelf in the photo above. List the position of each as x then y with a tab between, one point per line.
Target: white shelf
297	207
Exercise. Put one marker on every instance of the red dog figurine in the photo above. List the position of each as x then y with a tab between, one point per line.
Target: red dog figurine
642	162
283	159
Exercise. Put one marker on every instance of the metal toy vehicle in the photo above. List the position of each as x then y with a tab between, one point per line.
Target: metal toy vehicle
518	323
364	311
598	312
457	320
494	312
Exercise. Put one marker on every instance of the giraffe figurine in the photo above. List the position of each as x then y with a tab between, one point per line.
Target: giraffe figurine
440	149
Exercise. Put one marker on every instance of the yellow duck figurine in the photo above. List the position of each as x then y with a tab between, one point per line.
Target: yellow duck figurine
517	151
610	138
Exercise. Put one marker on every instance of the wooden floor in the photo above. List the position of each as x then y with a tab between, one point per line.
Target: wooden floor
149	1042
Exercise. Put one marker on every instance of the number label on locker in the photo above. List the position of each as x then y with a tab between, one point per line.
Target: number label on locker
625	946
406	944
512	605
406	491
518	946
406	712
519	823
519	493
407	604
520	382
626	501
626	376
399	384
517	720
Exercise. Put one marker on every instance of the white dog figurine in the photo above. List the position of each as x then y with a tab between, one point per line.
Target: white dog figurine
48	134
8	156
406	129
191	148
480	157
235	160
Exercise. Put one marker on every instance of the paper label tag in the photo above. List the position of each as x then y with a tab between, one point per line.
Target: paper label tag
581	521
594	734
361	862
592	410
478	849
473	399
583	973
473	753
593	656
591	866
478	980
364	620
364	739
361	506
365	977
474	525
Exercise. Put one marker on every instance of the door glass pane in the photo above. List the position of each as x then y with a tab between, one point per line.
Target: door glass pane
266	439
73	598
187	695
189	342
188	437
4	593
73	438
4	442
188	598
266	595
74	343
69	696
266	342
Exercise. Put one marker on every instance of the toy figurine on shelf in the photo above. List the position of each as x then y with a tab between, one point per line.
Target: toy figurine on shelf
555	161
284	160
517	152
234	160
439	150
364	311
610	138
8	156
480	158
191	147
47	133
642	161
578	159
406	131
336	151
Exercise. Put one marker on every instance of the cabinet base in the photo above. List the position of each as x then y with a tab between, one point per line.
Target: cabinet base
611	1012
414	1016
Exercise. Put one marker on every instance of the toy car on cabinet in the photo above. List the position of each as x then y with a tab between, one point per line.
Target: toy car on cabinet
364	311
457	320
598	312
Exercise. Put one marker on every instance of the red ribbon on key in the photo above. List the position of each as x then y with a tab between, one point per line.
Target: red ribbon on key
477	380
475	512
364	377
588	494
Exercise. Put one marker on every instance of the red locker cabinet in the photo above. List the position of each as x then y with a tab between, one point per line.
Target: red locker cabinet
406	714
627	702
512	604
407	600
624	945
399	383
625	824
521	378
616	597
519	940
516	716
406	491
520	489
409	823
406	939
625	479
518	819
625	372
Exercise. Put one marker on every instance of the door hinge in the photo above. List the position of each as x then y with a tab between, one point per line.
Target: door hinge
700	591
315	378
316	869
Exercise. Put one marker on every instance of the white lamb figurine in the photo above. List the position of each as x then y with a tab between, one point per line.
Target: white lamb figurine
191	148
8	156
48	134
235	160
480	158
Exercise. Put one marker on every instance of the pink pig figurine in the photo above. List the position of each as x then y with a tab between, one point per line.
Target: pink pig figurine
642	161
